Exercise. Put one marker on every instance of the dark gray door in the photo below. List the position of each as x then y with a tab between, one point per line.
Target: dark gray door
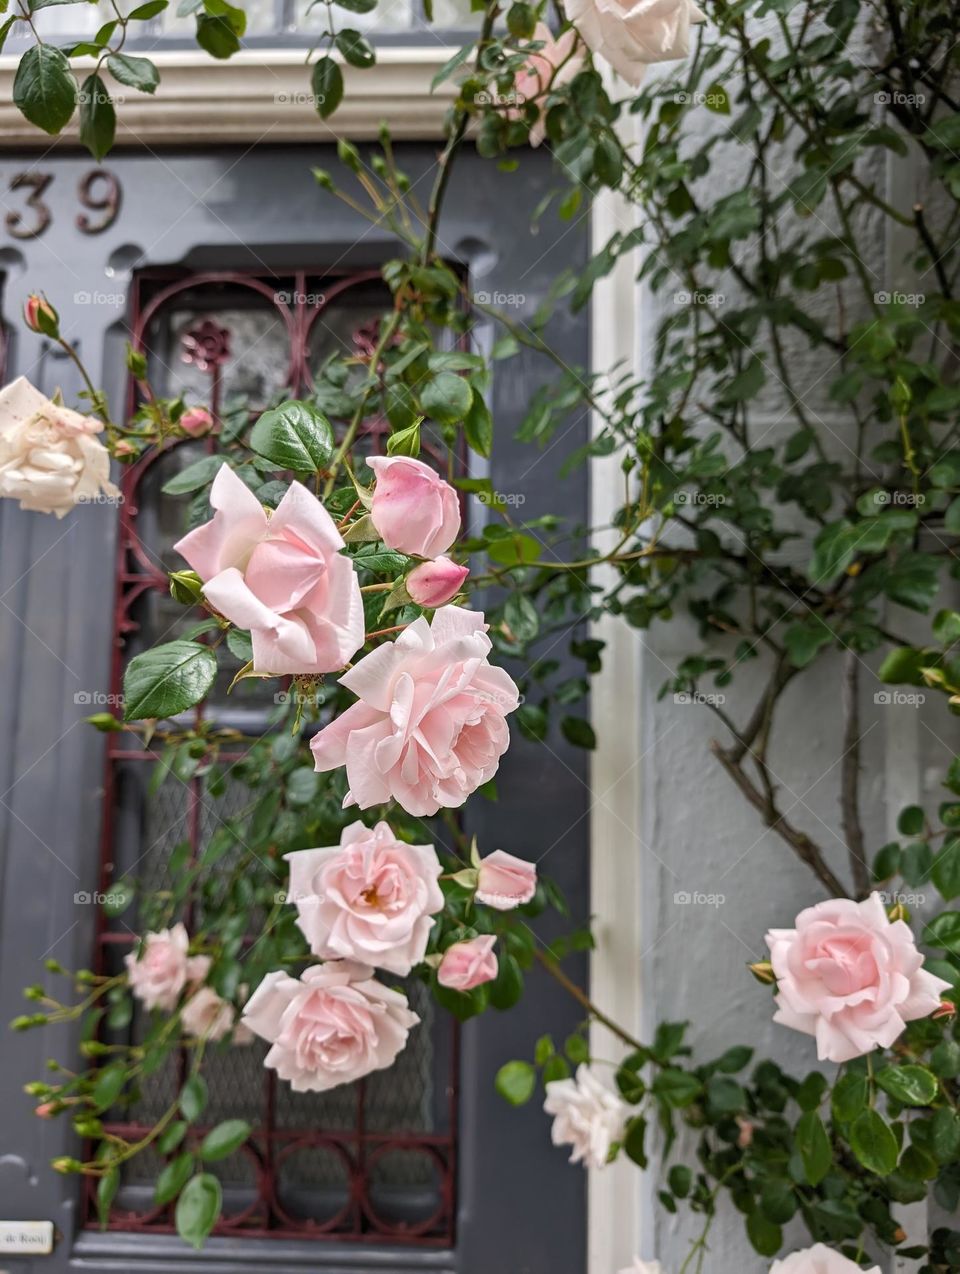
515	1206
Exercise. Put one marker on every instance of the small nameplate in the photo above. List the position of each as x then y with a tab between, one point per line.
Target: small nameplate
31	1237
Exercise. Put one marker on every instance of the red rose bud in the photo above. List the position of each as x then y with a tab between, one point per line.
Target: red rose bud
40	316
196	422
434	583
944	1009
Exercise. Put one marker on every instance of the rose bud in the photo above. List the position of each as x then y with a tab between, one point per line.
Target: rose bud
46	1110
945	1009
124	449
196	422
763	972
434	583
40	316
505	881
466	965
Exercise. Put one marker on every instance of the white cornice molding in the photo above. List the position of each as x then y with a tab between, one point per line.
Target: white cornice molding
258	96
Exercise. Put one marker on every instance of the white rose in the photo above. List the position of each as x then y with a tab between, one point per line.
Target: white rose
49	457
159	971
208	1016
332	1026
819	1259
631	36
587	1116
371	898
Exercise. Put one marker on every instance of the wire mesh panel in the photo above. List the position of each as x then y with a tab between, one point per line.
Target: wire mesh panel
373	1161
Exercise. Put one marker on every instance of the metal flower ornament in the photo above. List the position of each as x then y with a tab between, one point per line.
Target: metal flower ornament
341	561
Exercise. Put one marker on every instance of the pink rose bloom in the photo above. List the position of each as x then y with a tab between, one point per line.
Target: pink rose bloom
162	968
208	1016
851	978
469	964
430	726
587	1116
556	64
196	422
371	898
504	881
280	575
413	509
819	1259
631	35
435	583
332	1026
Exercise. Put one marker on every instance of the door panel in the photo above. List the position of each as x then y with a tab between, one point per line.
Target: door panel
518	1208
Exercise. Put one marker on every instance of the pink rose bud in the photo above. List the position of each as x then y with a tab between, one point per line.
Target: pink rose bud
413	509
123	449
468	964
196	422
45	1110
505	882
40	316
436	583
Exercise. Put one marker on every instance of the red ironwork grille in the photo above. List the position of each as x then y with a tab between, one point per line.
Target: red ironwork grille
374	1161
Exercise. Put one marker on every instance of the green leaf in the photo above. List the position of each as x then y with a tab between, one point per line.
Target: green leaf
849	1096
171	1136
357	6
446	398
217	35
450	66
326	82
148	10
118	898
680	1179
945	872
478	426
734	1059
520	616
138	73
224	1139
294	436
516	1081
98	119
633	1141
44	89
6	28
107	1188
167	680
108	1085
873	1142
354	48
532	721
198	1208
814	1146
193	1098
173	1178
578	732
194	476
943	931
910	1085
676	1087
765	1235
911	821
507	988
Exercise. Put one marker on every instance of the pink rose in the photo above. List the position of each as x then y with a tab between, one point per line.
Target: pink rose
630	34
196	422
435	583
332	1026
282	576
557	63
430	726
505	882
413	510
819	1259
371	898
162	968
36	307
208	1016
851	978
469	964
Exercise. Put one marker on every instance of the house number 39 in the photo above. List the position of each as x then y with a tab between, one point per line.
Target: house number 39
98	193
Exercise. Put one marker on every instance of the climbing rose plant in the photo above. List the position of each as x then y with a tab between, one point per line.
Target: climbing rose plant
304	558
